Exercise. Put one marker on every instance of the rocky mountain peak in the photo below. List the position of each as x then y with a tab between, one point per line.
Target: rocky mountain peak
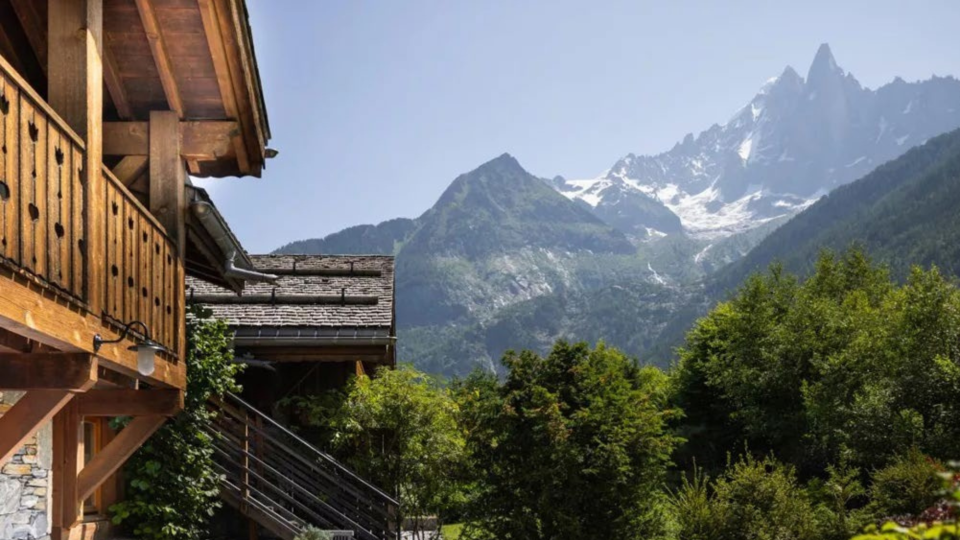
792	142
824	66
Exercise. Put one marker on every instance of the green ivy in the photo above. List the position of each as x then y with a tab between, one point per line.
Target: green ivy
173	486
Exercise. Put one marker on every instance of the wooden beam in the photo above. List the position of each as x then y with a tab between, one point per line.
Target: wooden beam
211	29
111	77
16	343
128	402
160	57
202	140
16	44
65	500
26	417
27	310
48	371
129	169
75	90
167	176
33	26
114	455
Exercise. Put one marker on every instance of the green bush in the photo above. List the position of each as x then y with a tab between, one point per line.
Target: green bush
937	523
313	533
908	486
753	499
172	485
693	508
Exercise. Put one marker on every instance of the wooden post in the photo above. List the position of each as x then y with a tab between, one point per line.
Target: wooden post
75	91
168	203
167	175
67	460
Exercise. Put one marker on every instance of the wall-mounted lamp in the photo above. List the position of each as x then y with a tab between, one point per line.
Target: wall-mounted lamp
146	349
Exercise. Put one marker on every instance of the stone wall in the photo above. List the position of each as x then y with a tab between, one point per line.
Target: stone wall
24	484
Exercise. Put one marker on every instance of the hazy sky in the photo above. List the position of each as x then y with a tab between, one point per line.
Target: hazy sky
376	106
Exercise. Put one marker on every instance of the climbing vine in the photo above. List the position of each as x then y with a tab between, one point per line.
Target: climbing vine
172	485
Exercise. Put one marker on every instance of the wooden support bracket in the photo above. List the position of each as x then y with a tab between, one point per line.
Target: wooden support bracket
27	416
115	454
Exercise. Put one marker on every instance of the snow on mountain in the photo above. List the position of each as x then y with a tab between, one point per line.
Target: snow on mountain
795	141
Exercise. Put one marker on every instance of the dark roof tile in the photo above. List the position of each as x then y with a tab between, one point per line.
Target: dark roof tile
296	279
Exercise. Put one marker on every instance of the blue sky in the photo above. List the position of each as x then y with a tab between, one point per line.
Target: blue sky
376	106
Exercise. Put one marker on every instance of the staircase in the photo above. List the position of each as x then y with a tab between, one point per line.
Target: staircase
284	484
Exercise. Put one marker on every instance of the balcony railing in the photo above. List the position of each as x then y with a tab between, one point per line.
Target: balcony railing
143	272
44	222
41	190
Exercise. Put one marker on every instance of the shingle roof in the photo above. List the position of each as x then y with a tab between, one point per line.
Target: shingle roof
309	275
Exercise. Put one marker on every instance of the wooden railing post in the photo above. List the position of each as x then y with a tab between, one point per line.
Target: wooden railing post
75	90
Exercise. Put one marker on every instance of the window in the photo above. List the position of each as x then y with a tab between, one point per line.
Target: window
91	445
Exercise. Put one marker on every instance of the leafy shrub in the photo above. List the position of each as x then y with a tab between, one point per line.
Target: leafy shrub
693	508
173	487
760	499
753	499
839	500
908	486
936	523
312	533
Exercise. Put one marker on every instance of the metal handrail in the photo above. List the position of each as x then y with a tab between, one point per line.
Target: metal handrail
281	472
315	450
328	475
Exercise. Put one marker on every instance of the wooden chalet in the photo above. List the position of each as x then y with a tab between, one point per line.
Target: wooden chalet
322	320
106	108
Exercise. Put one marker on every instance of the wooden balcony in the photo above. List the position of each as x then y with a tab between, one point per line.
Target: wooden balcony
58	297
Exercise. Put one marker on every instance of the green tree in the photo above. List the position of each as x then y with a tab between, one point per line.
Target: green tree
846	363
172	485
571	445
399	430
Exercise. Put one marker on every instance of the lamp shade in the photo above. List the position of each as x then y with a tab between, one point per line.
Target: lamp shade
146	356
146	362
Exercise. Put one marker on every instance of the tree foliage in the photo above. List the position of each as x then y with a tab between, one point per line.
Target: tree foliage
846	363
571	445
399	430
172	485
752	499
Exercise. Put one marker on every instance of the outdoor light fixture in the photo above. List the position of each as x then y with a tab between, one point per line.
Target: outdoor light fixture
146	349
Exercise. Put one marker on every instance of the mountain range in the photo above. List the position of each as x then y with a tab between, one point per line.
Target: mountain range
796	140
507	259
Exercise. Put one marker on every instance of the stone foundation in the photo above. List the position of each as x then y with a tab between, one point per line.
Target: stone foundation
24	484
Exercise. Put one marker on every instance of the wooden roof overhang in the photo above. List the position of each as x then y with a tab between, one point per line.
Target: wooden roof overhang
194	57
